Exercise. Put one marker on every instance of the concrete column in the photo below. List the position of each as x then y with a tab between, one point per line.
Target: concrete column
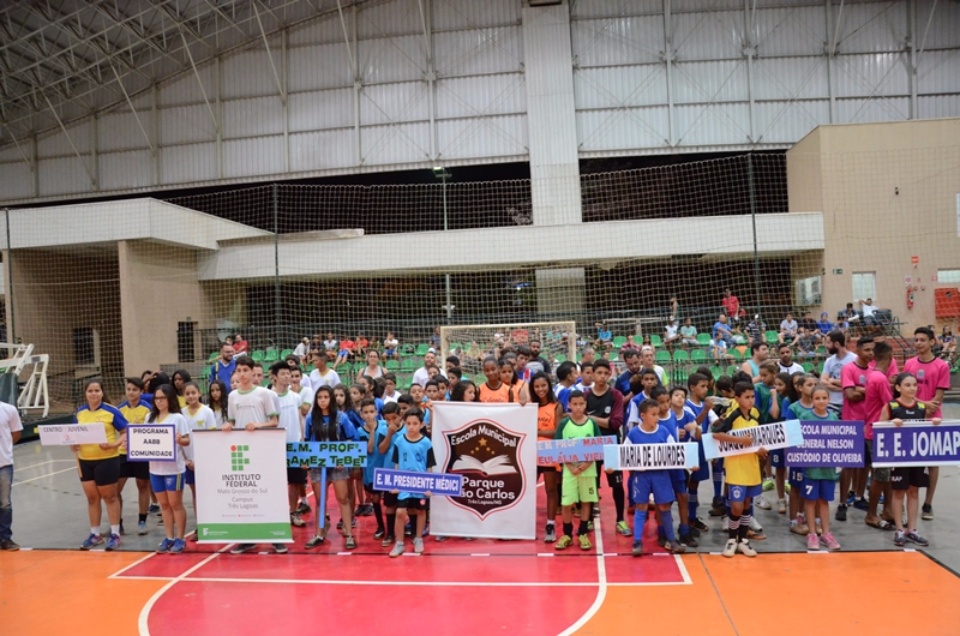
551	115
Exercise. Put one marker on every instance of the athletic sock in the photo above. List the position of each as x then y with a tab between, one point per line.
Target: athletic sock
142	517
684	530
584	528
693	501
744	526
667	518
733	525
391	522
568	529
717	474
378	515
639	518
94	530
618	500
115	529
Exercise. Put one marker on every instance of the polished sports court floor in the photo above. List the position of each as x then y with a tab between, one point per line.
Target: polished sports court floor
465	587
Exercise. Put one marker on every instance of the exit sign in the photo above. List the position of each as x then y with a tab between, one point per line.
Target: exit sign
838	271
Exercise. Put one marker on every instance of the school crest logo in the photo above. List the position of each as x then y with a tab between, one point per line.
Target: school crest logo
920	374
488	458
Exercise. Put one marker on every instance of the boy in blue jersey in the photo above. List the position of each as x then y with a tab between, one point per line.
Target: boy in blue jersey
769	407
566	381
684	429
413	452
368	433
386	431
651	482
700	405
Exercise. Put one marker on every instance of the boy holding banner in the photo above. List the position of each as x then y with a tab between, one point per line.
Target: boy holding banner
580	478
412	452
652	482
742	471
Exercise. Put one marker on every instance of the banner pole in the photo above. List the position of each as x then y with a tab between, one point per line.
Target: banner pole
322	506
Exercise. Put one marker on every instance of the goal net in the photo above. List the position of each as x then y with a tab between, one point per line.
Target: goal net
555	341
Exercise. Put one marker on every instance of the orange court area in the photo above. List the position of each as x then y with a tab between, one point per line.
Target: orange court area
54	592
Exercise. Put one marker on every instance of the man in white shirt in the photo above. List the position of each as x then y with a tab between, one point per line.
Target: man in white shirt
421	376
671	332
322	375
868	309
302	350
788	329
787	365
647	361
290	419
10	430
833	366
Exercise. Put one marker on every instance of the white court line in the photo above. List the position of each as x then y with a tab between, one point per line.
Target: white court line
142	626
601	580
50	461
683	571
119	572
57	472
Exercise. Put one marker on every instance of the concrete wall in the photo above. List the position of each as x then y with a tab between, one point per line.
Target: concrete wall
158	288
888	192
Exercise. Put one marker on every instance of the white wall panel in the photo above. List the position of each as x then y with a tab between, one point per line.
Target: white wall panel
388	103
873	27
945	27
65	175
250	157
393	59
17	180
185	90
873	110
482	95
251	117
622	129
122	170
185	124
119	131
191	163
320	110
629	40
456	14
642	85
320	66
880	74
248	73
459	53
489	137
712	125
786	122
57	145
710	81
790	78
708	36
939	71
584	9
11	153
397	17
398	143
322	150
790	31
324	31
938	106
706	5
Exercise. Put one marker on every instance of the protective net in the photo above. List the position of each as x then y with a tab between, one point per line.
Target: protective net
550	342
115	288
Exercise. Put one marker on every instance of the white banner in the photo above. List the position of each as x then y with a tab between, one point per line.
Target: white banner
151	443
494	448
242	486
71	434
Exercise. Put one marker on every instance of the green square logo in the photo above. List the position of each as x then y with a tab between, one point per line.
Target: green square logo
238	460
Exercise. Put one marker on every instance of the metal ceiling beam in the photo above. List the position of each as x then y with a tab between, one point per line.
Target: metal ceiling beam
266	46
66	133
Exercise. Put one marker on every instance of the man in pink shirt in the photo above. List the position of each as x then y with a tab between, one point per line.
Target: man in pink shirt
877	394
853	380
933	379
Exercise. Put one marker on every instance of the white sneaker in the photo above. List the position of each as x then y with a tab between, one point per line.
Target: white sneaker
397	549
755	525
730	549
782	506
762	503
418	546
744	548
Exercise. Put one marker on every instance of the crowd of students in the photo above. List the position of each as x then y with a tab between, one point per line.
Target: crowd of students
638	405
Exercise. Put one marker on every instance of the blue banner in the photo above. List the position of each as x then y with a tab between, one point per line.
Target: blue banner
916	444
327	454
829	444
407	481
569	451
767	436
651	456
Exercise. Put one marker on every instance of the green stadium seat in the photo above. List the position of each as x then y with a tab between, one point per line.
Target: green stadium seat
257	356
422	349
704	339
392	365
807	367
771	337
716	371
409	364
286	352
271	355
698	355
736	353
681	355
213	356
619	341
406	350
656	340
664	357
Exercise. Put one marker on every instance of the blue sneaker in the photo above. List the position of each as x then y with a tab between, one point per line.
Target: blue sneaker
92	541
113	542
165	546
851	497
178	546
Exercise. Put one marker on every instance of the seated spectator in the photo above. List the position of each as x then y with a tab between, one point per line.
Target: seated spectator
718	348
671	332
867	310
949	344
721	331
302	350
808	323
435	338
240	346
361	345
604	337
331	345
390	346
688	333
755	329
346	351
788	329
806	343
824	326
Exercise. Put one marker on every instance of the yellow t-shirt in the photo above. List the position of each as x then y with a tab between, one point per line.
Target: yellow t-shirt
134	414
741	470
113	422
